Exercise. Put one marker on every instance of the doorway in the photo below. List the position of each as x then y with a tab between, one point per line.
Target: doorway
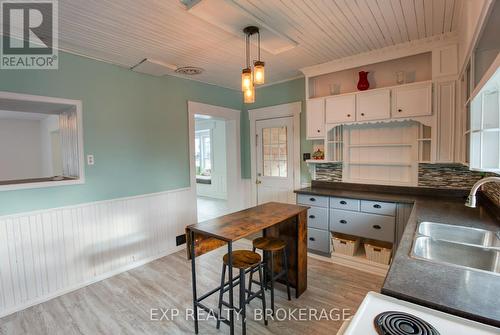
274	164
275	154
215	168
211	166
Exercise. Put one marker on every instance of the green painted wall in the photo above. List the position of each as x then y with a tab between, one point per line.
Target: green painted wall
135	125
289	91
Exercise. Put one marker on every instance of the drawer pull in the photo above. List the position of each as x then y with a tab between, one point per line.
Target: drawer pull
343	202
312	199
343	221
377	227
312	217
377	206
312	239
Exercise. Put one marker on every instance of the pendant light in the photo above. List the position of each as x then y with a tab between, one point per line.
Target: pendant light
259	66
249	77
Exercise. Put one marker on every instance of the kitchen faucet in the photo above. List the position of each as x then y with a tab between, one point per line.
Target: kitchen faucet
471	199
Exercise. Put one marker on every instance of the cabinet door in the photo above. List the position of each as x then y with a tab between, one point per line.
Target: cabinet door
373	105
414	100
340	109
445	109
315	118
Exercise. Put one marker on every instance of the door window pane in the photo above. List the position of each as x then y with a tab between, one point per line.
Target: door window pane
274	152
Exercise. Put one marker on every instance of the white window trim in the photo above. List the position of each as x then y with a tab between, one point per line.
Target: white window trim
211	135
43	99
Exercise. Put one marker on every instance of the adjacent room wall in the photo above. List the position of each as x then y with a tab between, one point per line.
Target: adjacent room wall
20	151
135	125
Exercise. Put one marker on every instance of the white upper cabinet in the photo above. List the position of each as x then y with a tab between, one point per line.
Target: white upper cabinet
315	119
412	100
374	105
445	61
340	109
485	122
445	106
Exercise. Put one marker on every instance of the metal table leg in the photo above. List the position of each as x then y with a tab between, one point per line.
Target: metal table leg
193	273
231	302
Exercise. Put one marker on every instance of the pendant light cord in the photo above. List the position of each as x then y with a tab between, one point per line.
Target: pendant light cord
247	49
258	37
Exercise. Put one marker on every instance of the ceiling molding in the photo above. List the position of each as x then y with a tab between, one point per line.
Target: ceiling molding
381	55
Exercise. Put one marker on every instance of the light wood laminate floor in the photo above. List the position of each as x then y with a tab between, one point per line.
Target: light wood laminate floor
122	304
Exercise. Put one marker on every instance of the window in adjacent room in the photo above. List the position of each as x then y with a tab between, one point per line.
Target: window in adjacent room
203	156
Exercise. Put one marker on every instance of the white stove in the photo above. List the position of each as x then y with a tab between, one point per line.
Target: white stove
375	316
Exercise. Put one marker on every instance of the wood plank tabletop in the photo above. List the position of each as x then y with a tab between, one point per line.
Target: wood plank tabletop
234	226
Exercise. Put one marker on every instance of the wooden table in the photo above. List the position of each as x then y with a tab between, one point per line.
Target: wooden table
285	221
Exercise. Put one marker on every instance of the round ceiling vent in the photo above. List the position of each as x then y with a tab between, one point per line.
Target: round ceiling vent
189	70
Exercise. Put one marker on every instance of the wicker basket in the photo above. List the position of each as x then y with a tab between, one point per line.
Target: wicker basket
345	244
377	251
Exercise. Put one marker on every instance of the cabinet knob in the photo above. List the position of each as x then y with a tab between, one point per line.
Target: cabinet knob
362	114
312	217
312	239
348	115
400	110
319	131
377	206
343	202
377	227
312	199
343	221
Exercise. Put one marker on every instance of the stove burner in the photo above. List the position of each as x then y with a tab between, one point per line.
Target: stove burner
399	323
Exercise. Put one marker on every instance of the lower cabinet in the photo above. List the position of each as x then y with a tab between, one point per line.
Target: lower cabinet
318	240
364	218
373	226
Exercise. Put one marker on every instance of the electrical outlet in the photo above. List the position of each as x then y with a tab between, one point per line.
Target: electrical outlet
90	160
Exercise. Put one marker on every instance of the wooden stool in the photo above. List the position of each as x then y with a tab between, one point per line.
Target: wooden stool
271	245
245	261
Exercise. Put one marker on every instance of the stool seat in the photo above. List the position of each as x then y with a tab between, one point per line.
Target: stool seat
243	259
269	244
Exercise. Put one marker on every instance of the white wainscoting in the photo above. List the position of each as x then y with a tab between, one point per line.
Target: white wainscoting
48	253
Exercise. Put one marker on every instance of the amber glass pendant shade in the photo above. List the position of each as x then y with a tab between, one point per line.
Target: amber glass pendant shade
259	72
249	95
246	79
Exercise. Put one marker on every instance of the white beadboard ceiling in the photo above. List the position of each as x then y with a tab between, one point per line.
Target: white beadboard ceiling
124	32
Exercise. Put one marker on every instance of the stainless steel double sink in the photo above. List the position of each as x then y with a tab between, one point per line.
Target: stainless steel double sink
471	248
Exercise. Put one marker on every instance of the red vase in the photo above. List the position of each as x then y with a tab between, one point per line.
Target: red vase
363	83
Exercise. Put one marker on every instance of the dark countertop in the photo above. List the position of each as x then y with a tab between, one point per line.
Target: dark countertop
471	294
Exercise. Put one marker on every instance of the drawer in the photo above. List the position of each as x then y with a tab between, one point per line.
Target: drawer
318	240
377	227
345	203
378	207
317	217
312	200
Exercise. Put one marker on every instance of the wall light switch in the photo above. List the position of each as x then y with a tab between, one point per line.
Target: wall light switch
90	160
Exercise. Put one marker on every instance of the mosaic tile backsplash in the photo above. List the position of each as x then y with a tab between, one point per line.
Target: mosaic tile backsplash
429	175
329	172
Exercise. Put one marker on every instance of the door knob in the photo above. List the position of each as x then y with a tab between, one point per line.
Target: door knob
258	182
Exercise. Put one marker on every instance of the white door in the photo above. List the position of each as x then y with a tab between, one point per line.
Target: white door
274	160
